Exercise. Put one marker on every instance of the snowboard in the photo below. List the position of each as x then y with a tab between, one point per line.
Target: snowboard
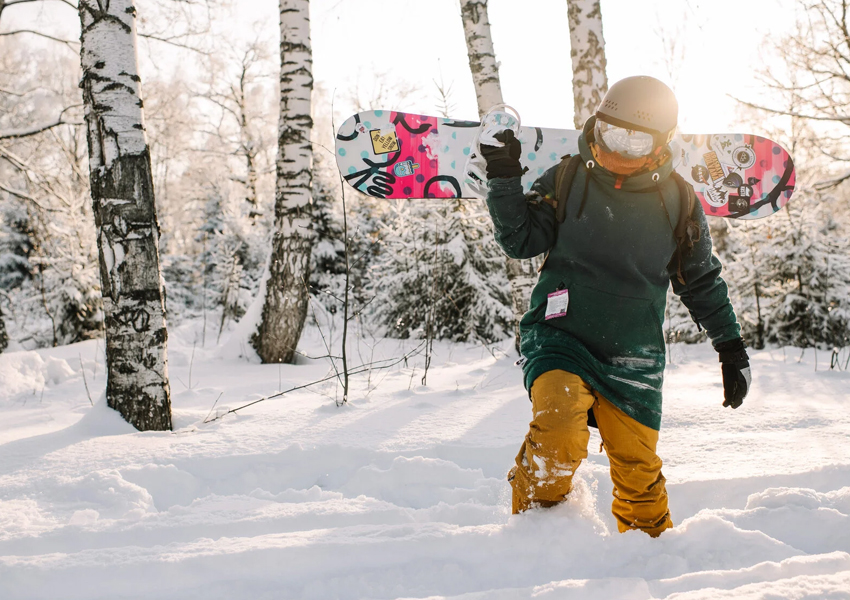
391	154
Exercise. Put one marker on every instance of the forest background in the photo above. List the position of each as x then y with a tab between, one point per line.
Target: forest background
210	82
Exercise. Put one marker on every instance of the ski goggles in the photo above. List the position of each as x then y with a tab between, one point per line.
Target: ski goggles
627	142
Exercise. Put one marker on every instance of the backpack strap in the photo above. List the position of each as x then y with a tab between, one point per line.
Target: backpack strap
687	230
564	176
563	182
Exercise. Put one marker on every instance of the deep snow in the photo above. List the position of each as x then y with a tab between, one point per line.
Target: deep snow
402	493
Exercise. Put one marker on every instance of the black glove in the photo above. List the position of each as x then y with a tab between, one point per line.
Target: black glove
735	366
503	161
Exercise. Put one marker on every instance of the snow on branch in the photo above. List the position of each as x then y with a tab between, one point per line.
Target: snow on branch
36	129
831	183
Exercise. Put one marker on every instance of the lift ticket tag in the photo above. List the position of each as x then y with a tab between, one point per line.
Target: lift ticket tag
556	305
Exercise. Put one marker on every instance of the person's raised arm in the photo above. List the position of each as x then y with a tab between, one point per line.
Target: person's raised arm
525	226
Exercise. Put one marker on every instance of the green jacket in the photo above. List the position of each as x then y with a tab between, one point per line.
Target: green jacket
614	254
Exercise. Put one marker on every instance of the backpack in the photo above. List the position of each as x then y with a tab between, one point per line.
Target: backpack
686	232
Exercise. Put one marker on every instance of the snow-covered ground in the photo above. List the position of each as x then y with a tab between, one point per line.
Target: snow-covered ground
402	493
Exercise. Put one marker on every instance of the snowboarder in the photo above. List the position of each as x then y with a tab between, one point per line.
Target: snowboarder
592	339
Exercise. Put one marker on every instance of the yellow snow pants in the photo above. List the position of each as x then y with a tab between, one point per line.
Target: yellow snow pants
557	442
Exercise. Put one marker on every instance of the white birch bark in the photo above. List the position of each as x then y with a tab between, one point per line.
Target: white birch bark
251	182
249	149
482	56
523	276
488	92
125	216
587	50
285	305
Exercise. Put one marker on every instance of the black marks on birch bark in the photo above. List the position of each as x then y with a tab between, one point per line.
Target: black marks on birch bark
479	61
587	50
4	338
285	305
125	215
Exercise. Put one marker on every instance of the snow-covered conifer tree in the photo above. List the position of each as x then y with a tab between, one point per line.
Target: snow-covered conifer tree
744	249
327	275
221	258
447	265
125	215
488	92
678	324
587	49
285	304
17	243
808	264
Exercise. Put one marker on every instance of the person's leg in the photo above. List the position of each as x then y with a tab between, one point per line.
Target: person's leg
640	496
556	442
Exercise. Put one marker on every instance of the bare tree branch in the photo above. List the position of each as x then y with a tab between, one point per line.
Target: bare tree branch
36	129
27	197
156	38
380	364
9	3
789	113
12	92
831	183
69	43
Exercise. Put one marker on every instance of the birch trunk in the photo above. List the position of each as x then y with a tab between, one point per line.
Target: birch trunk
249	146
587	50
125	216
249	150
4	339
251	183
488	92
482	56
285	305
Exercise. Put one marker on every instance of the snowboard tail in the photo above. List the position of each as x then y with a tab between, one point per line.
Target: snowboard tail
391	154
388	154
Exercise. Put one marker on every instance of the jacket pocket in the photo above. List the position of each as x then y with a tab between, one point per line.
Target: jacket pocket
618	330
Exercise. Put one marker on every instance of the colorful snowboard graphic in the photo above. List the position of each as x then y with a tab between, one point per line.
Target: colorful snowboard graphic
389	154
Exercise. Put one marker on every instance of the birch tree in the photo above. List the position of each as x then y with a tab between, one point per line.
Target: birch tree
234	84
285	304
4	339
587	50
482	55
125	215
488	92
